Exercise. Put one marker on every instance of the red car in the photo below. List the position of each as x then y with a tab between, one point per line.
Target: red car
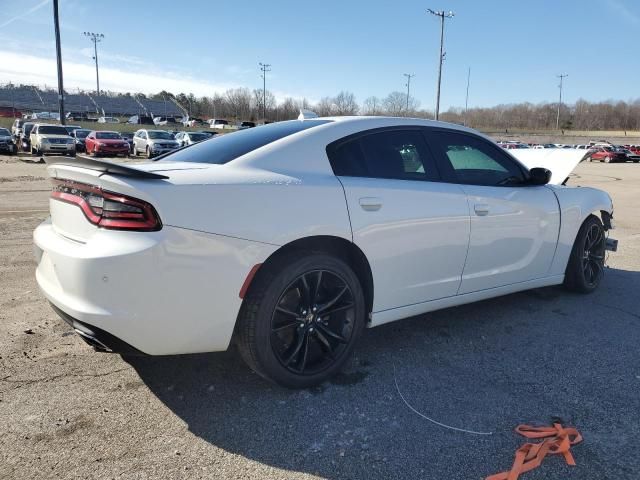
607	155
107	143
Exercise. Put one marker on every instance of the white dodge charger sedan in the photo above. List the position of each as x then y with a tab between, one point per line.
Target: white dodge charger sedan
290	238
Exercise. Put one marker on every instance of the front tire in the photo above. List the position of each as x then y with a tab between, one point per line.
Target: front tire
586	262
301	319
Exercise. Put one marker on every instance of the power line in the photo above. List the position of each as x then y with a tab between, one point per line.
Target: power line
408	85
442	14
95	38
264	68
562	76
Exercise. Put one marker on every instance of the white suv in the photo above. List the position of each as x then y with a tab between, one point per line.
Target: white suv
47	139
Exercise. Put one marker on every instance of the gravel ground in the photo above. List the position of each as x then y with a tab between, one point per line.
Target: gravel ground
68	412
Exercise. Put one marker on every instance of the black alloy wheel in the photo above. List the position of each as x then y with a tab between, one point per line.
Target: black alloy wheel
301	318
312	322
593	255
585	268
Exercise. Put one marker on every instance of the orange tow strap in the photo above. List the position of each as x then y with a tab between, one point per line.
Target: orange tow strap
558	440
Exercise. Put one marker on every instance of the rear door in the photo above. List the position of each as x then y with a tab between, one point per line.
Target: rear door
514	226
413	229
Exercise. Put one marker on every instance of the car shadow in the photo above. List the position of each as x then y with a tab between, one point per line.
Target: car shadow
528	357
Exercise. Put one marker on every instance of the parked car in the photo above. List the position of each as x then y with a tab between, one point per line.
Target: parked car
237	237
51	139
24	140
606	154
629	154
164	120
153	142
103	142
128	136
6	141
218	123
77	116
189	138
141	120
243	125
71	128
194	122
79	135
108	120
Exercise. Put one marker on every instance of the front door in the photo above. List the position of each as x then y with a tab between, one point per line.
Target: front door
514	226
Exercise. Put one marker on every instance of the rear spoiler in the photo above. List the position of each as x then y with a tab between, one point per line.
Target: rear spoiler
102	166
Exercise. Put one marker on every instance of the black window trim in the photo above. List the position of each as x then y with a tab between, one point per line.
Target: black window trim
333	146
448	175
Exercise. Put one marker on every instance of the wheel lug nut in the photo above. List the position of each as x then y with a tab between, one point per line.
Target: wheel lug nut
302	325
311	329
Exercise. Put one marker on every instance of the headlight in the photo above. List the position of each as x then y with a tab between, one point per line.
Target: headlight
70	141
44	140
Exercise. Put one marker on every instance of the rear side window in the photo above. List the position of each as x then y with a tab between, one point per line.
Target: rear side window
225	148
393	154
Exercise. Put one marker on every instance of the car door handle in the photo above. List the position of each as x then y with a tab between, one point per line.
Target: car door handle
481	209
371	204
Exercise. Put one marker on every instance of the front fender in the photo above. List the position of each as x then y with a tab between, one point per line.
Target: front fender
576	204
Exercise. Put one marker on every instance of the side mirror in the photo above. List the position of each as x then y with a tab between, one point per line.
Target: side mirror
539	176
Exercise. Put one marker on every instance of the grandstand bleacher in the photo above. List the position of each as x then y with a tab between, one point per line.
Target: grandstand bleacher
34	99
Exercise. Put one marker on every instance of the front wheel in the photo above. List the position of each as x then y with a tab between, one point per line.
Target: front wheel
586	262
148	153
301	319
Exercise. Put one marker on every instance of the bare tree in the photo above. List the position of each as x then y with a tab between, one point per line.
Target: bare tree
345	104
372	106
325	107
395	103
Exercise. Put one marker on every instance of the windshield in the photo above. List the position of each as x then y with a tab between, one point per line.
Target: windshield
4	132
160	135
81	133
52	130
27	127
228	147
108	135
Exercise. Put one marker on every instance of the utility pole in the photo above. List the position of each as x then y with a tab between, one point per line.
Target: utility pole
442	14
56	24
562	76
264	68
95	38
466	100
408	85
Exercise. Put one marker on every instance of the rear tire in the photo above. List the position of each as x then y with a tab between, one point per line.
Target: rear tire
586	263
280	335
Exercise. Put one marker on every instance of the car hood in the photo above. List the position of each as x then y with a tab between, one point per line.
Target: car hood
111	141
5	137
51	135
159	140
560	161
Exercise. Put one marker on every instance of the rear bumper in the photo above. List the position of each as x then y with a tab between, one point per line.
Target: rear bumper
100	340
169	292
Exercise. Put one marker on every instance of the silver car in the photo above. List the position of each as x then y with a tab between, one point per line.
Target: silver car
189	138
152	143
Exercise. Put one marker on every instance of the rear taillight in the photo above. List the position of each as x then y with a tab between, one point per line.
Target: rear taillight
108	209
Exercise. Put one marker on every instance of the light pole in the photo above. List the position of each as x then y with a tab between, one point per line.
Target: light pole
264	68
408	85
562	76
442	14
95	38
56	24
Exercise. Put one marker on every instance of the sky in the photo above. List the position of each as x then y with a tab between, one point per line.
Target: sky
514	49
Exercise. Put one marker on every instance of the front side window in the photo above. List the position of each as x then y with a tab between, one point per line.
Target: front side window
473	161
393	154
